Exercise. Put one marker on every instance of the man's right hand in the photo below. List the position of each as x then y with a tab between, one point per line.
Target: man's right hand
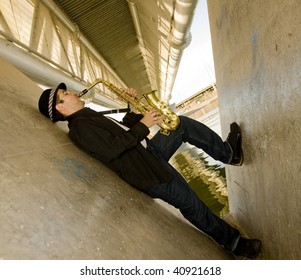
151	118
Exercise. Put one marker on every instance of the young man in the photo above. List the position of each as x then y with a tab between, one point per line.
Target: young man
143	163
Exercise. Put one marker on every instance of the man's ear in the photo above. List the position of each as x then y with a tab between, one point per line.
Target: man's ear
58	107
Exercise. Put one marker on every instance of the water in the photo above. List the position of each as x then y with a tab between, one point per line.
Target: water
206	176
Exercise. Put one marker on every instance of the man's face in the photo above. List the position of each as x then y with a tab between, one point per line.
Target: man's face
68	102
68	97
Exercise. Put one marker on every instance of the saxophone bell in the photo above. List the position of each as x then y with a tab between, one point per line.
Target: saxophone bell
171	120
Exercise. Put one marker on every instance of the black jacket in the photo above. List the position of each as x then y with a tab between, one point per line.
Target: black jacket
117	148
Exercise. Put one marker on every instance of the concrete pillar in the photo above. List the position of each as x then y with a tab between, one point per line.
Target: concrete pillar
257	54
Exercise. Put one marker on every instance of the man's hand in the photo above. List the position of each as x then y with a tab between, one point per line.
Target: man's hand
151	118
131	92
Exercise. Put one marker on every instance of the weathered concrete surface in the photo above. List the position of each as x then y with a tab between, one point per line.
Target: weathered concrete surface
58	203
257	53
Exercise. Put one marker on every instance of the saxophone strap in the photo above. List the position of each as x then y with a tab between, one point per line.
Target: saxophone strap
115	111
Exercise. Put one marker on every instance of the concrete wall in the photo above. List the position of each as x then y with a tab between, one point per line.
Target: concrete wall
58	203
257	53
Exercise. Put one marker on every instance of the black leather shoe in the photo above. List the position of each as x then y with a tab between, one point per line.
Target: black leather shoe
249	248
234	140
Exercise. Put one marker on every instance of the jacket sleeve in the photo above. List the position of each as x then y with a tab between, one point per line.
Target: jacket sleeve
131	119
101	141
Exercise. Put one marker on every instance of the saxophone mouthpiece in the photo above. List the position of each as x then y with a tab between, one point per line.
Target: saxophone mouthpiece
83	92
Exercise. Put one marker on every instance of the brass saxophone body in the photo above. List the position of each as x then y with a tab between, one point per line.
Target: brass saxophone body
171	120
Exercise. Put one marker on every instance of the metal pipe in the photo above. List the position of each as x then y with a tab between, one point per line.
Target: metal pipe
179	39
43	73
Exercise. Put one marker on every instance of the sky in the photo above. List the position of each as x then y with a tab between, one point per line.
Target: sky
196	70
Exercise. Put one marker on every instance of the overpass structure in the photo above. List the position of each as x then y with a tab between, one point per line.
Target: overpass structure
199	104
58	203
137	44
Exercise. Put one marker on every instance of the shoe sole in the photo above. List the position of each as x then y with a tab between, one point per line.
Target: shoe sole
240	144
240	163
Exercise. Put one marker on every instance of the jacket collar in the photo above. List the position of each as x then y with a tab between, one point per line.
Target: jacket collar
85	112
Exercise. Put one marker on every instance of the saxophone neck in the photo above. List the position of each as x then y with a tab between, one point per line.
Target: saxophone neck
97	81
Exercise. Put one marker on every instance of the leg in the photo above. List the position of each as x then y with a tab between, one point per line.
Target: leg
194	133
180	195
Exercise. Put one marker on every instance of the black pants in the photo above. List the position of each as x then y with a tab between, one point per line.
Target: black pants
178	193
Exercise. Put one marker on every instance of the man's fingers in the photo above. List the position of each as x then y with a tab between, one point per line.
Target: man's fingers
131	91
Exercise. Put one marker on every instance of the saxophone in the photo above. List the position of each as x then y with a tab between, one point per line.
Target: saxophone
171	120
